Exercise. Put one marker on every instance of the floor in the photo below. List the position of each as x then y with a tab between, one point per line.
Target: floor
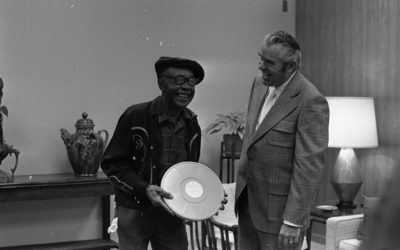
314	246
317	246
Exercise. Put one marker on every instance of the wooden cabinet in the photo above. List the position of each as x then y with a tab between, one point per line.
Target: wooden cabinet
62	186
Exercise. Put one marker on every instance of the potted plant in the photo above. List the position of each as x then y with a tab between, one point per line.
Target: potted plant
235	124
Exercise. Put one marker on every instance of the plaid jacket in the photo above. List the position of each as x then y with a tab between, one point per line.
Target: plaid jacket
282	162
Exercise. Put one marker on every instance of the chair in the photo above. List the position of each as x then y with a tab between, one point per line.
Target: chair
341	232
221	231
194	234
230	165
220	236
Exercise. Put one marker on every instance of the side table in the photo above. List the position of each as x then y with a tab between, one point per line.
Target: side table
230	157
321	216
62	186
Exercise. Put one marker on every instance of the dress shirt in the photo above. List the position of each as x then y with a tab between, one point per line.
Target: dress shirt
278	91
171	140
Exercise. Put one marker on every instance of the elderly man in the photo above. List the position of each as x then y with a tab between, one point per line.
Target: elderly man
282	158
149	138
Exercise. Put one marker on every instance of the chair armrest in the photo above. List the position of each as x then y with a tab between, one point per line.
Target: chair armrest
223	226
342	228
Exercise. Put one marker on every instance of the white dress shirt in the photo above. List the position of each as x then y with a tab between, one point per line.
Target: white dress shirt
278	91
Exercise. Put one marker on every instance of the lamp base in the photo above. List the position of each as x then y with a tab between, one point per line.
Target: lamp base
346	205
346	194
346	178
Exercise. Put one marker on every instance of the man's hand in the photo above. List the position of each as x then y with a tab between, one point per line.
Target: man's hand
155	195
223	202
288	235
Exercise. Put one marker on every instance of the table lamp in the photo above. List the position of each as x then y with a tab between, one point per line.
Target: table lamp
352	124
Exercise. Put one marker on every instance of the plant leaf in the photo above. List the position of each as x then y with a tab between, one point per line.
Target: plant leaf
233	123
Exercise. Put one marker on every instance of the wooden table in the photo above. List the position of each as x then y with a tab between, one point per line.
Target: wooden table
230	163
62	186
321	216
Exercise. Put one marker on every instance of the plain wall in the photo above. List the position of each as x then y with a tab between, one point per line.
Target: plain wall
60	58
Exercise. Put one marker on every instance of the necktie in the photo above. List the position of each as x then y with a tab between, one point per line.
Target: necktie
269	101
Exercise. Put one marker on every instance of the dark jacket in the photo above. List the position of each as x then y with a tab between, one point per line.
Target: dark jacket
130	159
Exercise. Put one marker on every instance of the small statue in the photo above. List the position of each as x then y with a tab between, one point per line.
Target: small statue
5	149
85	148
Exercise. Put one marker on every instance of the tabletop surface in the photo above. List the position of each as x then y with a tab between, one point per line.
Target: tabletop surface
52	179
334	213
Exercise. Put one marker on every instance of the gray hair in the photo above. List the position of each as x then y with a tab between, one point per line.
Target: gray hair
291	47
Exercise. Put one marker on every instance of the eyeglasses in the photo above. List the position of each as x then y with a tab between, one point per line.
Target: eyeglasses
180	80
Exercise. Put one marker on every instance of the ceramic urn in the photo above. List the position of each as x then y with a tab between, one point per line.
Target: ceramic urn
85	148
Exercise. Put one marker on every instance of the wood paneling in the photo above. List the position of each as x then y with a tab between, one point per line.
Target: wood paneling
351	48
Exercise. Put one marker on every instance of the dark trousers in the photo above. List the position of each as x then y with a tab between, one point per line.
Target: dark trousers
136	229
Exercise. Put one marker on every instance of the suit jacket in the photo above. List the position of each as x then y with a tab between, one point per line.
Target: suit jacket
282	162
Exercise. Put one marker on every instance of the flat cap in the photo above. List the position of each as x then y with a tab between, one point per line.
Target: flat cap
164	62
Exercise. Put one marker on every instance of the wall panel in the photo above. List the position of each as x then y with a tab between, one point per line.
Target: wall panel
351	48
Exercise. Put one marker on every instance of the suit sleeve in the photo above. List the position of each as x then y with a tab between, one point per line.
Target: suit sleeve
309	159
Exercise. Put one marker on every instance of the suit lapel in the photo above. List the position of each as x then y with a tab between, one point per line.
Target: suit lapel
285	104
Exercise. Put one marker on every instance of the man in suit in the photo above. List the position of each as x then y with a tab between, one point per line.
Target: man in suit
282	156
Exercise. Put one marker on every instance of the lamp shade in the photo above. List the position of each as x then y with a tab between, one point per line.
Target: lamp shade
352	122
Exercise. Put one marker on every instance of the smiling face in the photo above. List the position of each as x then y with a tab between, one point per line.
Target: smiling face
175	97
274	70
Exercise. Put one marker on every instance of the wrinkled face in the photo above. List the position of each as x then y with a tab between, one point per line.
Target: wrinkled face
274	70
175	97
